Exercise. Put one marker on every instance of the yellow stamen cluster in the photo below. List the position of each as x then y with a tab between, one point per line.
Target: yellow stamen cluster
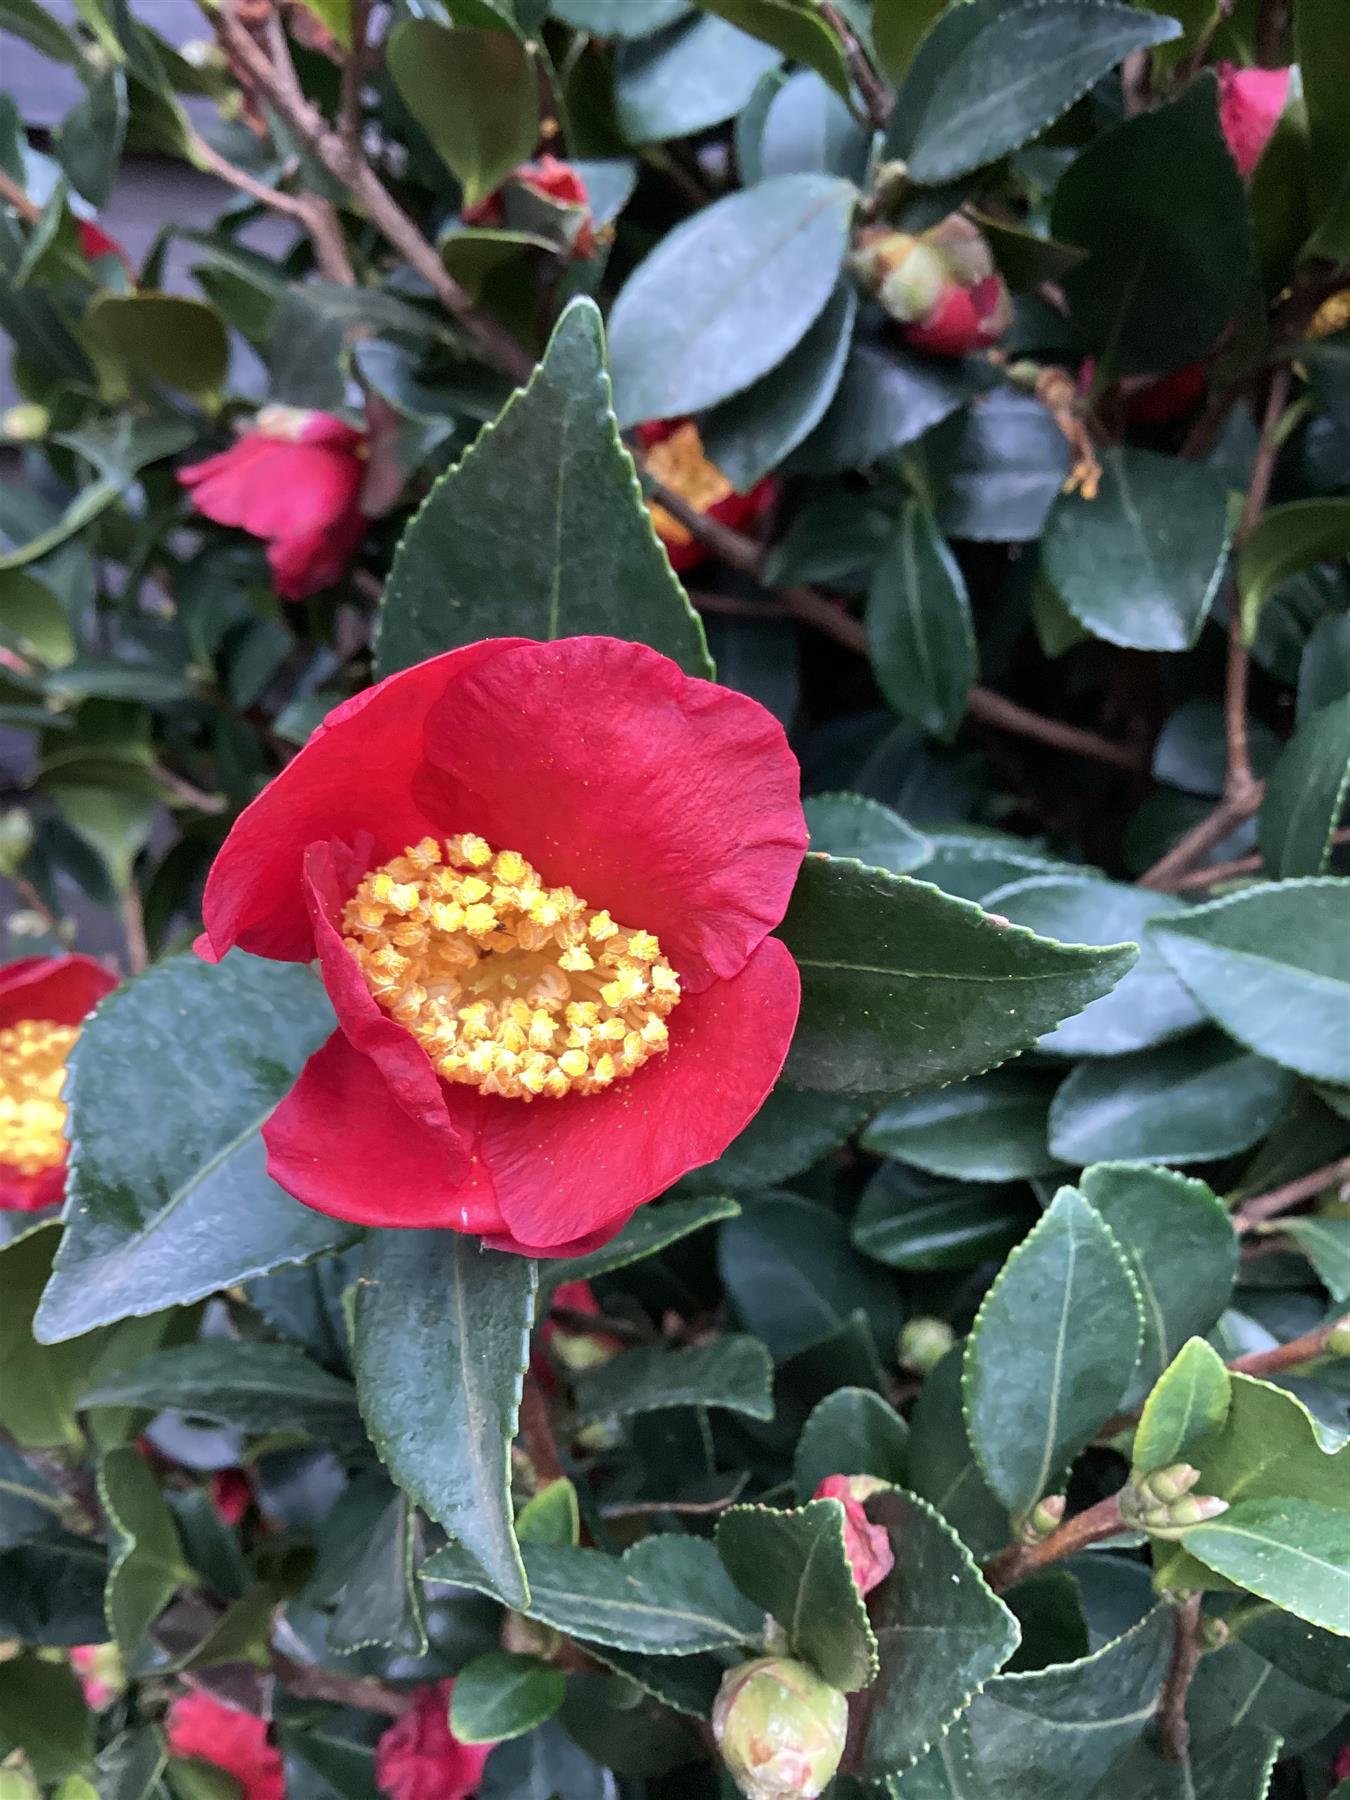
510	986
32	1068
678	463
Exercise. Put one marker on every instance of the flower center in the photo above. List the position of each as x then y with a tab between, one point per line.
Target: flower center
32	1067
510	986
678	463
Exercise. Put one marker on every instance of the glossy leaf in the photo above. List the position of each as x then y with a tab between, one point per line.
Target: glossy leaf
147	1566
1003	468
904	987
792	28
790	1132
992	75
852	826
1181	1103
727	295
1306	794
1141	563
500	1696
1320	47
441	1343
1189	1400
1326	1244
795	1566
473	92
1272	967
365	1569
885	399
698	73
170	1085
920	639
540	531
1289	1551
732	1372
650	1230
851	1432
161	338
88	141
910	1220
1051	1351
942	1465
991	1128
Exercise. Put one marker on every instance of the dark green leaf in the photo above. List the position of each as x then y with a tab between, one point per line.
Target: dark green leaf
1326	1244
1187	1102
727	295
147	1566
1308	1655
30	1505
699	73
910	1220
1324	62
442	1339
169	1086
942	1465
733	1372
991	1128
1289	1551
1005	462
500	1696
1141	563
365	1569
1189	1400
941	1633
1306	794
991	75
795	1566
806	126
1149	1005
852	826
885	400
790	1132
42	1713
88	141
921	642
1168	262
161	338
669	1595
851	1432
1272	967
650	1230
131	1765
473	92
904	987
1051	1352
1284	540
540	531
1239	1685
51	1591
790	27
31	21
544	1765
1179	1241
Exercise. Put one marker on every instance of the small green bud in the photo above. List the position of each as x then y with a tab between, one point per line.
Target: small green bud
1338	1338
1046	1516
1166	1485
923	1343
1213	1634
780	1729
1170	1521
26	422
16	840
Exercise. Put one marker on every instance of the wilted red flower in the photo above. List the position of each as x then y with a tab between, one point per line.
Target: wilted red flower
869	1546
43	1000
294	481
554	180
231	1495
673	453
211	1732
1250	104
420	1758
432	844
942	287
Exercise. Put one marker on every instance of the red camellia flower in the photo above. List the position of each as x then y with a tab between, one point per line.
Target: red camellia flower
231	1495
869	1546
673	452
554	180
420	1758
539	881
209	1731
942	287
294	481
43	1000
1250	104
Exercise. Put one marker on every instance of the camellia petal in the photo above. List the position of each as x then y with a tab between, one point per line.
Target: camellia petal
673	802
354	775
65	989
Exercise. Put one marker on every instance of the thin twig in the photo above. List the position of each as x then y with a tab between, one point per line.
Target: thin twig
353	78
1279	1200
1241	865
536	1430
693	1509
1020	1560
133	931
1292	1355
876	96
13	195
209	158
364	1693
1173	1727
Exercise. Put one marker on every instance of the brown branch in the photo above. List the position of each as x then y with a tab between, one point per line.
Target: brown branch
364	1693
1287	1356
1281	1199
34	901
536	1431
133	930
1173	1726
291	206
354	68
1240	865
13	195
876	96
1020	1560
639	1509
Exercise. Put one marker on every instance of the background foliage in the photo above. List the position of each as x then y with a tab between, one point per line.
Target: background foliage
1032	1215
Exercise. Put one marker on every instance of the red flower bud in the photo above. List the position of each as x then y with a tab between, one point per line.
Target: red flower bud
576	1349
869	1546
674	455
942	287
231	1495
101	1674
420	1758
295	482
43	1001
551	179
208	1731
95	242
1250	104
780	1729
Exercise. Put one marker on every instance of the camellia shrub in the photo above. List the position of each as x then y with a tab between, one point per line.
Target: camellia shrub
675	1029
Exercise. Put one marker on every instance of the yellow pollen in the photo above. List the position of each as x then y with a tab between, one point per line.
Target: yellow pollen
509	985
1331	316
32	1067
678	463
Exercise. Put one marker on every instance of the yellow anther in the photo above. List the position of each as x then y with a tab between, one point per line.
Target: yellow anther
32	1114
440	925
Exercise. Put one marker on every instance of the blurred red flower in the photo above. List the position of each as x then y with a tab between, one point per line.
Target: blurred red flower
420	1758
674	455
1250	104
539	881
294	481
554	180
208	1731
43	1000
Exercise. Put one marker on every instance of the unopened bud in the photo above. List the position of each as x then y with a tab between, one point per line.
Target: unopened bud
16	840
1338	1338
890	184
1046	1516
527	1637
26	422
780	1729
923	1343
1212	1634
1170	1521
942	286
1164	1485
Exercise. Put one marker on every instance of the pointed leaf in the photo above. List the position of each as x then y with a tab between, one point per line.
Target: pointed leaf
651	1230
147	1566
1189	1401
500	1696
851	1432
942	1465
1326	1244
1284	540
442	1340
921	642
990	1128
1289	1551
540	531
1306	794
733	1372
865	831
474	93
